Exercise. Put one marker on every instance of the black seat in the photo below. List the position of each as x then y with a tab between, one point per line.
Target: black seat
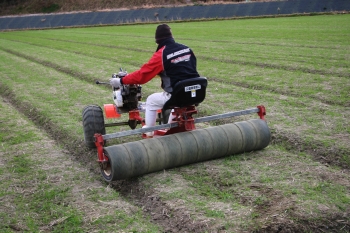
185	93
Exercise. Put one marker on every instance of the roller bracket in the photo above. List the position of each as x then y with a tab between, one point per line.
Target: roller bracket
99	142
135	118
262	112
183	116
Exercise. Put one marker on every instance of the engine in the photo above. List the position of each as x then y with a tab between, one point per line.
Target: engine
127	97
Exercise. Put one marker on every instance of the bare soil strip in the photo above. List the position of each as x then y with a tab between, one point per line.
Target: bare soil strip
171	219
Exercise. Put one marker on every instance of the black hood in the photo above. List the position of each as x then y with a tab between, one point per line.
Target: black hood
165	42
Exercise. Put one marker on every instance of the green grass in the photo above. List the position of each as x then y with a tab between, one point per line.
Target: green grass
43	190
297	67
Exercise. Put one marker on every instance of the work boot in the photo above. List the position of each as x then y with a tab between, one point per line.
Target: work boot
148	134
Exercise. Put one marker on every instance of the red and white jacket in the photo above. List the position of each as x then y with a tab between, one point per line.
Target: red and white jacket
172	62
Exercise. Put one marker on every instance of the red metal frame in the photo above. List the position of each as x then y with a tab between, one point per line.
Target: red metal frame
184	118
262	112
134	115
99	142
181	115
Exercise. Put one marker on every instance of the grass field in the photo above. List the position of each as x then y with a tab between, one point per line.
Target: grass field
298	67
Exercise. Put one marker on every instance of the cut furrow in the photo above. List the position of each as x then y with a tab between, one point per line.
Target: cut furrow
331	155
171	219
73	145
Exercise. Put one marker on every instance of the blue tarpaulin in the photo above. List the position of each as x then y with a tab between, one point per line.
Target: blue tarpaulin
172	13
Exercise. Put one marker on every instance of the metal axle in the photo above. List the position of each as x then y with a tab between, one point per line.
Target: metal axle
260	110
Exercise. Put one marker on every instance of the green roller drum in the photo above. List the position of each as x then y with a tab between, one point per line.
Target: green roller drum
150	155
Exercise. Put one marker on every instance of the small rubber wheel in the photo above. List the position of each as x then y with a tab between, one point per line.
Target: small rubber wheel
93	122
108	169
